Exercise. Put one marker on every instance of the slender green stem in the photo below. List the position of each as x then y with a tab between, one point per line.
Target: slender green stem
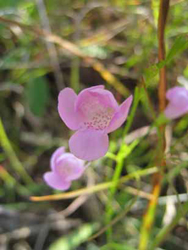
96	188
12	182
149	217
133	111
124	151
15	163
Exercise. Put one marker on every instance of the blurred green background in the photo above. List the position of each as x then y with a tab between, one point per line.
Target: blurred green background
47	45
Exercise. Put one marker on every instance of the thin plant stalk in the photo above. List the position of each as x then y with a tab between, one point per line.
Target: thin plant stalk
157	178
15	163
120	162
96	188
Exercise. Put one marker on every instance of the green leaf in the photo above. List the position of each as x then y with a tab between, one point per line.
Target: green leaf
133	111
180	44
37	95
153	70
71	241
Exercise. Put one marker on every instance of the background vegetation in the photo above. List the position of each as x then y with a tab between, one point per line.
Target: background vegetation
47	45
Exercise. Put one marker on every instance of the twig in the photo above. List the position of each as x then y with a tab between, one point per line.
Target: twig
138	133
50	45
80	200
157	178
42	235
96	188
104	34
163	11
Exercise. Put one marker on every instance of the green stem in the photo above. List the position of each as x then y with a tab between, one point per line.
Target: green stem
99	187
15	163
133	111
120	160
11	182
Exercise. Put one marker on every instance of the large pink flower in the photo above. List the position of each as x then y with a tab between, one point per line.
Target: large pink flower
65	168
178	102
93	113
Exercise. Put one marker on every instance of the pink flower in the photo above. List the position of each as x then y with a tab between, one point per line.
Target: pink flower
93	113
178	102
65	168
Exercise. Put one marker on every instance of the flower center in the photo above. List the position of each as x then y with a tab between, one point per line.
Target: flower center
96	115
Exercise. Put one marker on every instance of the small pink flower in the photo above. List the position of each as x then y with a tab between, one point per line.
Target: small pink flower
178	102
65	168
93	113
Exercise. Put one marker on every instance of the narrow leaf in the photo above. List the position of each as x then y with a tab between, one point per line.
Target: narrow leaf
37	95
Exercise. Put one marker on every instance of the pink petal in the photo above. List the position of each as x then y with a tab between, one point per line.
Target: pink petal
66	108
178	96
69	167
120	116
95	87
55	181
174	111
76	174
89	144
55	156
95	94
107	97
